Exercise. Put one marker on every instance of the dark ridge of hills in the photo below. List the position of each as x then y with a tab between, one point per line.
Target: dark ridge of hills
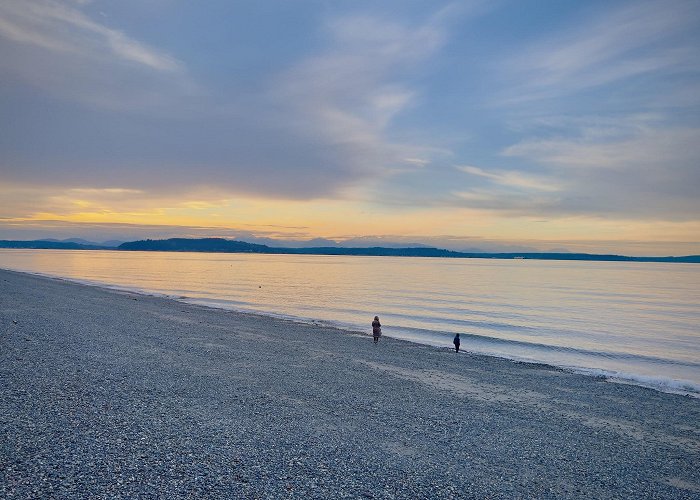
50	245
196	245
221	245
81	241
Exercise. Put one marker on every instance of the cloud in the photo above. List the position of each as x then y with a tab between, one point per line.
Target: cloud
106	191
512	178
605	111
513	204
131	50
667	147
348	105
59	27
650	173
313	127
349	95
632	41
34	201
628	168
55	47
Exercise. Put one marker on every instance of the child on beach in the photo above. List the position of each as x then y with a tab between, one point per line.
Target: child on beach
376	329
456	342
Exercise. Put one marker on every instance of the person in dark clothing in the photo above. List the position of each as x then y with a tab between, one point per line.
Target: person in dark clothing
456	342
376	329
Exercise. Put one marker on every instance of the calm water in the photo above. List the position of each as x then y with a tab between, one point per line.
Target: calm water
635	322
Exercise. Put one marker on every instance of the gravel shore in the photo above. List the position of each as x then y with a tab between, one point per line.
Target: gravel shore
107	394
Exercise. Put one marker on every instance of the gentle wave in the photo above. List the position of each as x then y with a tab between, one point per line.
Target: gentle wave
531	352
663	384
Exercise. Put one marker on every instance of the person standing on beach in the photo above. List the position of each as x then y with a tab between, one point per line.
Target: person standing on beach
456	342
376	329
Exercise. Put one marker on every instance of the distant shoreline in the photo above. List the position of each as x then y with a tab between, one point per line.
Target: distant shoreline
220	245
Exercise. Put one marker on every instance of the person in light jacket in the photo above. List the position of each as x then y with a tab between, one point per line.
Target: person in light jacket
376	329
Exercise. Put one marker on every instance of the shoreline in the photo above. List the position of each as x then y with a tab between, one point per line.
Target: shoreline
105	393
224	246
655	382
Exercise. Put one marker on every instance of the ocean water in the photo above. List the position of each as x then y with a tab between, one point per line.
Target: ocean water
630	322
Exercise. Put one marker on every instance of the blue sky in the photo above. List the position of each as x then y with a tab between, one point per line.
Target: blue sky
464	124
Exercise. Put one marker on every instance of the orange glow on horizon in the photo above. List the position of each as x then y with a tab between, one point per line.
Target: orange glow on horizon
213	214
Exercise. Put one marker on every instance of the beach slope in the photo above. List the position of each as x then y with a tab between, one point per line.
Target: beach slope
107	394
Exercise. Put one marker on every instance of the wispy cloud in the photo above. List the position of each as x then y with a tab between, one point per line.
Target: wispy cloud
496	200
61	27
602	111
349	95
512	178
669	147
107	191
650	173
57	47
638	39
317	126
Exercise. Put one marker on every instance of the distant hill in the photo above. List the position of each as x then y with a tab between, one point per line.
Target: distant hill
233	246
220	245
80	241
195	245
49	245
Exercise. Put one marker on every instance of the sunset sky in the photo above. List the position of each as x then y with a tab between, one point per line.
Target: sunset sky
492	125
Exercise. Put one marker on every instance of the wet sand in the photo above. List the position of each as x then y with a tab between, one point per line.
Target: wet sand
107	394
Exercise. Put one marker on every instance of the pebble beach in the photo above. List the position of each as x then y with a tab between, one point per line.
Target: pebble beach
109	394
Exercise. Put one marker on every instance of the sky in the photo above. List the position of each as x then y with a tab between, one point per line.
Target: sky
494	125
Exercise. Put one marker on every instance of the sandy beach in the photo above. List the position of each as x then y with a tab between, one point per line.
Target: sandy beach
107	394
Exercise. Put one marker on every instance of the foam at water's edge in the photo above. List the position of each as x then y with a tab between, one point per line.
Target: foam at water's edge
662	384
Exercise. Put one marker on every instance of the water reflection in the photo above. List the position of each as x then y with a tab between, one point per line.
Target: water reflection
615	309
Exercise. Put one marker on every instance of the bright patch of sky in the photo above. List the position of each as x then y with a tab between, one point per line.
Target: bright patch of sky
550	121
